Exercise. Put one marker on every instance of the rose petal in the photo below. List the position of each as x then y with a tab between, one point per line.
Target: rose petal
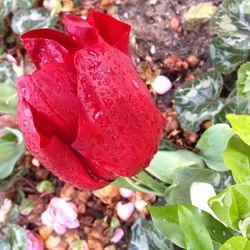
58	157
46	45
119	140
44	91
124	211
80	30
113	31
117	236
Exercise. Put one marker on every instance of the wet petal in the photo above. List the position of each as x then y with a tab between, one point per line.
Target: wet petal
121	126
50	92
58	157
80	30
46	45
113	31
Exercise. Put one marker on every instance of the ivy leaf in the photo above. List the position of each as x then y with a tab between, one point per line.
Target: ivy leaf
232	23
198	100
237	105
166	218
232	205
179	191
241	126
225	58
243	81
24	20
146	236
237	158
8	99
211	149
164	163
10	152
236	243
26	206
7	74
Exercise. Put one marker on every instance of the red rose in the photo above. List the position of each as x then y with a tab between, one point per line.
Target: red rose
85	113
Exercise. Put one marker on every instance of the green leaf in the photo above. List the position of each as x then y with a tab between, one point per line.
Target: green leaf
166	218
166	145
26	206
7	6
4	244
237	158
8	99
146	236
179	191
241	126
164	163
17	237
195	233
7	74
225	58
236	243
10	152
24	20
198	100
243	81
123	182
211	149
237	105
198	15
25	4
45	186
232	205
232	23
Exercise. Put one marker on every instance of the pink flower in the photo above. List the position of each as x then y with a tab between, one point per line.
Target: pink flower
34	242
124	211
60	215
117	236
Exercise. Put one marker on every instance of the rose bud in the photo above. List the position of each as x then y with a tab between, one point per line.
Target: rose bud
85	113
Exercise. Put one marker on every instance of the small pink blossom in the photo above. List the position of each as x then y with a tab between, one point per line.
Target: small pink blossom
60	215
34	242
126	193
124	211
117	236
5	210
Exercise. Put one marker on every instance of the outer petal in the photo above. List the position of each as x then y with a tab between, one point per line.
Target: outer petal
60	159
120	113
80	30
46	45
51	92
114	32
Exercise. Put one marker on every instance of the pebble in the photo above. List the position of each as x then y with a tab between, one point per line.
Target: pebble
161	85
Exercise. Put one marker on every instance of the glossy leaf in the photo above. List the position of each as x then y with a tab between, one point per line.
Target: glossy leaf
236	243
24	20
10	152
146	236
243	81
179	191
237	158
166	218
232	23
237	105
8	99
225	58
7	74
211	149
45	186
16	236
232	205
196	235
164	163
241	126
198	100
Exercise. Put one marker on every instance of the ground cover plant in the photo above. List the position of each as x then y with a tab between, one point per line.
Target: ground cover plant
101	139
